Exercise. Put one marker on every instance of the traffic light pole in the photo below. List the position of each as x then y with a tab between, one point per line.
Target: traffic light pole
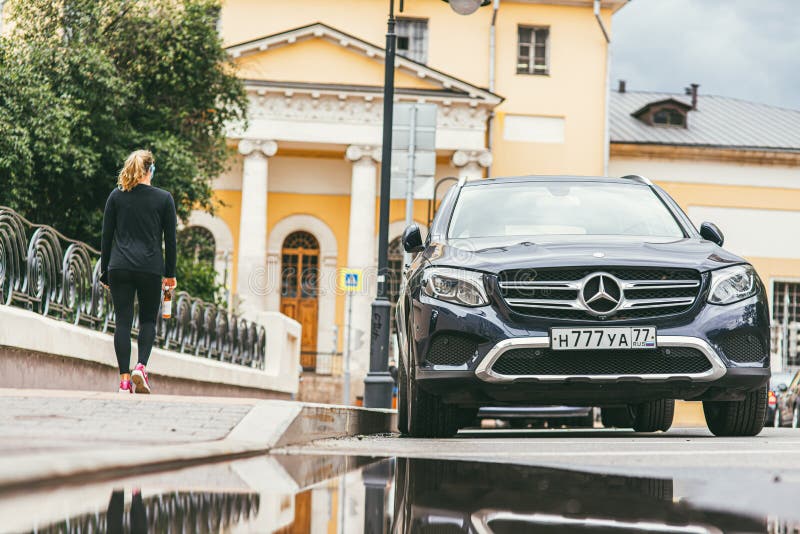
378	384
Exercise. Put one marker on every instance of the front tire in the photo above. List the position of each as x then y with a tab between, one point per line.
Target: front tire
737	418
428	416
402	398
653	416
617	417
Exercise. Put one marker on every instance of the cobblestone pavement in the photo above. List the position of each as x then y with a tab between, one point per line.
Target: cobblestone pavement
43	421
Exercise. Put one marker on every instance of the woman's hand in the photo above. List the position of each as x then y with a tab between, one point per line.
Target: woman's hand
169	283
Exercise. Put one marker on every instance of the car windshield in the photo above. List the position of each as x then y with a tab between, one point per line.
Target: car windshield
561	208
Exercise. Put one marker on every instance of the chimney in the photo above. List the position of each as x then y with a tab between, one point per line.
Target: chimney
621	88
692	90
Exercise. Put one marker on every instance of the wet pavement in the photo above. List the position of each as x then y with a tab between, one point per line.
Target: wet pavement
328	492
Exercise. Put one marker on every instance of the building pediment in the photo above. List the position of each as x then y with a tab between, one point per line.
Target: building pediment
320	57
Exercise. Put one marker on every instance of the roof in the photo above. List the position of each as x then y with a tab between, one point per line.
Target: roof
449	84
718	122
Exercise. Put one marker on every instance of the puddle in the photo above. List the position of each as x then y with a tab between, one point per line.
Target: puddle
338	494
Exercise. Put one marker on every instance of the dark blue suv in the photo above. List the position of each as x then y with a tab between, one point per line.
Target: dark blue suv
578	291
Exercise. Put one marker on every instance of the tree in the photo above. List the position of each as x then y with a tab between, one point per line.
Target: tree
85	82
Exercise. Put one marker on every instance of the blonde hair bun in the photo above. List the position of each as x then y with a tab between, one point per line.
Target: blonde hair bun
135	169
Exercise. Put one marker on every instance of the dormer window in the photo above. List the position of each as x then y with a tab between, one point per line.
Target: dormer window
669	117
669	113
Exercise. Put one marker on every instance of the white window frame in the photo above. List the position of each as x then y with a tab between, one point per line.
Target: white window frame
531	71
409	28
772	282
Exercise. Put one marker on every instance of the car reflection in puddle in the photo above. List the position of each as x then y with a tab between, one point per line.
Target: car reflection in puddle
299	494
434	496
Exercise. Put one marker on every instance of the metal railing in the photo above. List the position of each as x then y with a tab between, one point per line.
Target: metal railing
204	513
43	271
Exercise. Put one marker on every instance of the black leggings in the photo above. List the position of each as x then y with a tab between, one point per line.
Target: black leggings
124	286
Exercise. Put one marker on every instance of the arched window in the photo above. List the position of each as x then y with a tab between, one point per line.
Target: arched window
197	243
395	270
196	269
395	276
300	289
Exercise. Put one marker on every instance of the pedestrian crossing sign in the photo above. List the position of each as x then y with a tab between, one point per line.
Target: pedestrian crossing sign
351	280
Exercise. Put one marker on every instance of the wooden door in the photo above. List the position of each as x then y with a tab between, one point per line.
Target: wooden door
300	289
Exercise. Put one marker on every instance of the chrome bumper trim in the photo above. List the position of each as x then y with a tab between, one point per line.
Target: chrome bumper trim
484	370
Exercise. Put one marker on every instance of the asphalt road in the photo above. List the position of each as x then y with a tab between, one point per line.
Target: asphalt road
679	450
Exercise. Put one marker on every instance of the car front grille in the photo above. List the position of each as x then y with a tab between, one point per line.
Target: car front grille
743	347
547	362
450	349
643	292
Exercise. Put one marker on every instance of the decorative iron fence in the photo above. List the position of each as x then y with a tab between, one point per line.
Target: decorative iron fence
43	271
178	512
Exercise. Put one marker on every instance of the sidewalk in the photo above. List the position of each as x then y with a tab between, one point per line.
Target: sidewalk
51	436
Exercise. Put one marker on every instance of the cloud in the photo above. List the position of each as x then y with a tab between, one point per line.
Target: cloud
737	48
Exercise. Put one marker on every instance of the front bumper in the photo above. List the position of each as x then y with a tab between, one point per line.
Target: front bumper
475	383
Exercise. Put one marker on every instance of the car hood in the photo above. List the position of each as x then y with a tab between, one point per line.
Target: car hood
498	254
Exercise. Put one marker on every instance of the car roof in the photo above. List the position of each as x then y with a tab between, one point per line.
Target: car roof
630	180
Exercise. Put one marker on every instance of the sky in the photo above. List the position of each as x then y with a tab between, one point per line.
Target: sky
747	49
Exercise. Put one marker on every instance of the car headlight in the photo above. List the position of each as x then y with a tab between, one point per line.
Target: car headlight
454	285
732	284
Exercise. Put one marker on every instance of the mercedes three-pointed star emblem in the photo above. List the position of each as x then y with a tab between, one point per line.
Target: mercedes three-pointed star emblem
601	294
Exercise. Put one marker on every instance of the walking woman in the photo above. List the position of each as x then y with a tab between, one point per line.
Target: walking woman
136	217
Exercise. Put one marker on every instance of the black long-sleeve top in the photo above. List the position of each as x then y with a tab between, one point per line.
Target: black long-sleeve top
134	223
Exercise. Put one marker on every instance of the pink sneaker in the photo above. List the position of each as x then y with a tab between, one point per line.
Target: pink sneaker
139	377
125	386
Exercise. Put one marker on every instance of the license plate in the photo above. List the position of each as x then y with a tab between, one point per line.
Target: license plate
618	337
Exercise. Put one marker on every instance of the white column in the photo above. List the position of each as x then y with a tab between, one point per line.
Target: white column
252	257
470	163
361	249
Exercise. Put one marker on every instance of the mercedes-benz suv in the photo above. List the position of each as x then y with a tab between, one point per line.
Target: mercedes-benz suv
577	291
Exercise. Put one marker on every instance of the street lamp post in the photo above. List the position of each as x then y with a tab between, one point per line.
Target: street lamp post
378	382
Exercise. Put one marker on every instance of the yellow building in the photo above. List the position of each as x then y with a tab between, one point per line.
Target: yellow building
731	162
520	88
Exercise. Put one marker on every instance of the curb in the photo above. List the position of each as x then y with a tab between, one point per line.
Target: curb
269	424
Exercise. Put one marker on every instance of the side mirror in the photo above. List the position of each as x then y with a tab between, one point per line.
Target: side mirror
710	232
412	239
782	388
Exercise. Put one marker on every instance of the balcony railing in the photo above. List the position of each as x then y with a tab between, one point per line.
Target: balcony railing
43	271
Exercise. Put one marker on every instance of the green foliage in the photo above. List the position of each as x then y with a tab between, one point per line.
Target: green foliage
85	82
195	267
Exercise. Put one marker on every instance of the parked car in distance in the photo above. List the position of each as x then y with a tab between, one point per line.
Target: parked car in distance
538	416
577	291
778	384
788	403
